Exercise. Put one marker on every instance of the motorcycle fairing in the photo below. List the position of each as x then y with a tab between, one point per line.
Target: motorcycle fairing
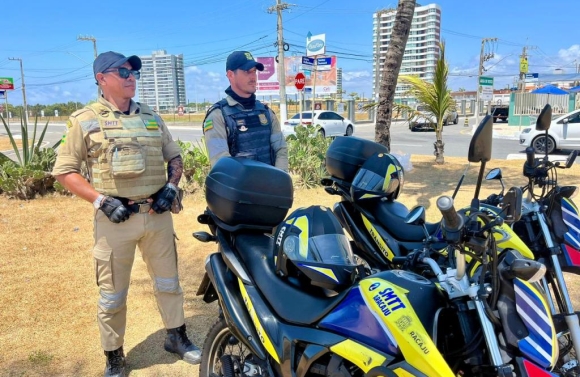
390	305
529	369
571	218
262	334
380	242
541	345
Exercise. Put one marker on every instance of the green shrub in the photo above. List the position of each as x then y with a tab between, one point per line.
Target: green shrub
306	152
195	165
29	175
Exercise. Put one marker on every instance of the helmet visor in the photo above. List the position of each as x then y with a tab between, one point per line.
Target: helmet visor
326	248
368	180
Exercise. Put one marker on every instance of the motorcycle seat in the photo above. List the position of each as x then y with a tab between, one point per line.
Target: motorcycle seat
392	216
302	305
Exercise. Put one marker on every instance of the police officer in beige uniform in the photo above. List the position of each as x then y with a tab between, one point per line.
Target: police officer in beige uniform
240	125
125	146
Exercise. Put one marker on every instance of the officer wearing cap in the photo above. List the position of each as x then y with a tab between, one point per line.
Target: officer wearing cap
125	146
240	125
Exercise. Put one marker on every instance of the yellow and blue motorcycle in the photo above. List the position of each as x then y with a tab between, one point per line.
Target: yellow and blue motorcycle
294	302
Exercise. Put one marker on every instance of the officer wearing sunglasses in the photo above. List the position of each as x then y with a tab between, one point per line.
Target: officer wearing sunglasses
125	146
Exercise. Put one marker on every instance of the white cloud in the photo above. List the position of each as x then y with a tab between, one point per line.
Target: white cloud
354	75
570	54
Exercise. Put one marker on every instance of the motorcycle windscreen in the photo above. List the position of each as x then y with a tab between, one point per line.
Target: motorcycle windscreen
541	345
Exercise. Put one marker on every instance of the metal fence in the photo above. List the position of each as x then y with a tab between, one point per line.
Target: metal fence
532	104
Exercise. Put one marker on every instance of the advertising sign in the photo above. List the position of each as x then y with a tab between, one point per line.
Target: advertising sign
6	83
268	79
315	44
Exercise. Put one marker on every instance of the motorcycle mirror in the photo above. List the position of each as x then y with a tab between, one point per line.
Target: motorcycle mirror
480	146
494	173
512	205
544	119
416	216
571	159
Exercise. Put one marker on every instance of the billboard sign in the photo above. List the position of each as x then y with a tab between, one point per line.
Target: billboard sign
6	83
268	79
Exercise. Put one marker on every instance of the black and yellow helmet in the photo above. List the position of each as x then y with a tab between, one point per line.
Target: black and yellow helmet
381	176
311	245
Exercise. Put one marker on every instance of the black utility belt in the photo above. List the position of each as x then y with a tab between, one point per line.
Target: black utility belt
139	206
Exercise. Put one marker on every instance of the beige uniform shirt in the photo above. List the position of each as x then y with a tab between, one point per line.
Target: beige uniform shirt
77	145
216	137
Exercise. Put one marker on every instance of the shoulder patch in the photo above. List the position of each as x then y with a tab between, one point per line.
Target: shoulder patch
90	125
207	125
68	124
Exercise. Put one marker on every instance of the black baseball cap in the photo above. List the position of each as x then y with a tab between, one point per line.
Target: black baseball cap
242	60
111	59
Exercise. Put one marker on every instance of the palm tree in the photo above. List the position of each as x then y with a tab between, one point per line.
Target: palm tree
393	60
435	97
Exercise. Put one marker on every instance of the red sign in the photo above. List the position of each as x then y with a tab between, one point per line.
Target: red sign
299	81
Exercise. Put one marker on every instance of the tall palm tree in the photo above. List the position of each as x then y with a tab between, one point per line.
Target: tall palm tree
393	60
435	97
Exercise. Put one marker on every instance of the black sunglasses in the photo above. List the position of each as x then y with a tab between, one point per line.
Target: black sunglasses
125	72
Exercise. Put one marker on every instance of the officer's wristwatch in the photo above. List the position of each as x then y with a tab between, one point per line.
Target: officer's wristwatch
97	203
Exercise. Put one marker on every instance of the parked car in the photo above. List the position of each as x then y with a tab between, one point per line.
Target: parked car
425	120
564	133
331	123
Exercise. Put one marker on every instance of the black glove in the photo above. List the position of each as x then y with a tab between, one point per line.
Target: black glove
115	210
164	198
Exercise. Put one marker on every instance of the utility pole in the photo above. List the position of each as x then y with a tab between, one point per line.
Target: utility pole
92	39
23	89
282	46
483	57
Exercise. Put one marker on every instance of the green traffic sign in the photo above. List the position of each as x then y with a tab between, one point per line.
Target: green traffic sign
485	81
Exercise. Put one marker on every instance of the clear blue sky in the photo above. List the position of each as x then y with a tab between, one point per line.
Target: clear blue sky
58	67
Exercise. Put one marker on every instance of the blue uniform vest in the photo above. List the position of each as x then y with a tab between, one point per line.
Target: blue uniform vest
249	131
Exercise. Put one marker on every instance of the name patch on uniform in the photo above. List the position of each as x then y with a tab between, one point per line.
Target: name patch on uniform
111	123
207	125
151	124
263	119
241	122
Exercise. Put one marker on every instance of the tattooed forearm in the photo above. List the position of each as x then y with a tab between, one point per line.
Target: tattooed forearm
175	170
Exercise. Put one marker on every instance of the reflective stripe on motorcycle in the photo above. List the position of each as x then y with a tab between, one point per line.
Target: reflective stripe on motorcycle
259	328
541	345
389	304
506	238
387	252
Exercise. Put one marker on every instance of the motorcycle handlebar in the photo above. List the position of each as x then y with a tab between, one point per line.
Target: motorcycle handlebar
452	221
530	156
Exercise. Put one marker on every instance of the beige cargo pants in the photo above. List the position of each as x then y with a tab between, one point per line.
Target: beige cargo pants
114	252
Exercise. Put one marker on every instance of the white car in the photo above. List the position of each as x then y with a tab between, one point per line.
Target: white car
331	123
425	120
564	133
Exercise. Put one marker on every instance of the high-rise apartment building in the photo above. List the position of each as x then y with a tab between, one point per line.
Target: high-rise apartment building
422	48
162	83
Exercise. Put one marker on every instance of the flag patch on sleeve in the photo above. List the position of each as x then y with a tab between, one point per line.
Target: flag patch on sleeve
151	125
207	125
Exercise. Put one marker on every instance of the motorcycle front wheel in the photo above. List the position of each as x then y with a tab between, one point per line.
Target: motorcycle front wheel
568	362
223	354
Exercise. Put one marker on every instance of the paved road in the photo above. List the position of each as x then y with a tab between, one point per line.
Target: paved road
456	138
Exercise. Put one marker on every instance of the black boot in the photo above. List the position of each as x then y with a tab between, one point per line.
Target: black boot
178	342
115	363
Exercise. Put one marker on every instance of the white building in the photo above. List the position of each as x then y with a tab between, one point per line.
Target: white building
422	48
162	83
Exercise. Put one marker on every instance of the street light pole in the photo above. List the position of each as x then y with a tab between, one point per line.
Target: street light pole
278	8
482	58
23	89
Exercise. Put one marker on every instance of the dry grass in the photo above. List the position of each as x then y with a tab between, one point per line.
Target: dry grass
6	145
48	294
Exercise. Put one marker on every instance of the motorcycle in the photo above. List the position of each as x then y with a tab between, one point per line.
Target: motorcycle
549	222
391	323
377	226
